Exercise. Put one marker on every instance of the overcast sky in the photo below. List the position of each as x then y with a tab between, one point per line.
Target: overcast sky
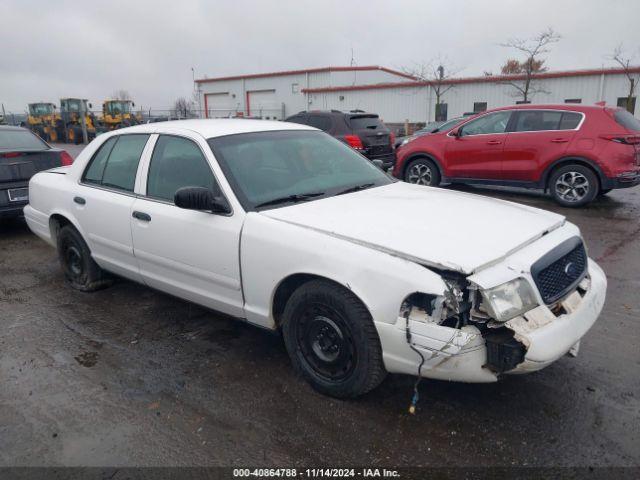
50	50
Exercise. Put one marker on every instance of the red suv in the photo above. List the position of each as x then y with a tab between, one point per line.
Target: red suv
574	152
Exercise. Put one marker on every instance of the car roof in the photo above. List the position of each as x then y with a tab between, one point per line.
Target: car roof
577	107
217	127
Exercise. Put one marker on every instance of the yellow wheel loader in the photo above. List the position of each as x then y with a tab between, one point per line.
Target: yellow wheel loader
118	114
70	125
42	120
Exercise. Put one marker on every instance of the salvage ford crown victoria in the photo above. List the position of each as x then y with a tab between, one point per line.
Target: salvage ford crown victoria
287	228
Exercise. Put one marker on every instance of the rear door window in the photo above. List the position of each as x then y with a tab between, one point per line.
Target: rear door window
116	164
570	120
537	120
176	163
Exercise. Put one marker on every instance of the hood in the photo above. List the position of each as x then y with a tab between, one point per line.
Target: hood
431	226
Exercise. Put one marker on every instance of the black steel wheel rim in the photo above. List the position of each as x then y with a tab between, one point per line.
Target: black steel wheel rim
325	343
73	261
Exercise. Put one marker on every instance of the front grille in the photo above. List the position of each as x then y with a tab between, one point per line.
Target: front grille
559	271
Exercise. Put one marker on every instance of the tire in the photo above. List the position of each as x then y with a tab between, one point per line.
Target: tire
422	171
80	270
573	185
332	341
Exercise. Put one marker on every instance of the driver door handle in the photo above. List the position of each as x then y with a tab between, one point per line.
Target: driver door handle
145	217
560	140
494	142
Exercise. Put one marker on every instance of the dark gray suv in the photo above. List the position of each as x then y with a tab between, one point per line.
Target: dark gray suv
363	131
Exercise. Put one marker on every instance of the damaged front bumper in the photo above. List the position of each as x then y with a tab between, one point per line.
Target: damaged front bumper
461	354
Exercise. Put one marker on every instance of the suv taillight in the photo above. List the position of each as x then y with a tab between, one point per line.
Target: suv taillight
354	142
65	159
626	139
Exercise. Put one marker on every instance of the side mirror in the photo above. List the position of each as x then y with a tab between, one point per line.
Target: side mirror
133	104
90	106
456	132
200	198
378	163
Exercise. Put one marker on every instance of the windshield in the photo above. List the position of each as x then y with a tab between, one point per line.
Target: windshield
20	140
73	105
37	109
267	166
116	108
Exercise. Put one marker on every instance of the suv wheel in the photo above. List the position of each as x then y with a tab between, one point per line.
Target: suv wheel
80	270
422	171
573	185
331	339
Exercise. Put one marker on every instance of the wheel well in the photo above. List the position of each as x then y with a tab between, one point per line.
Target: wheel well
56	222
289	285
572	161
421	155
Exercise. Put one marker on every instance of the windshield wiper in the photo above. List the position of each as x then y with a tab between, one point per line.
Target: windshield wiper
357	188
295	198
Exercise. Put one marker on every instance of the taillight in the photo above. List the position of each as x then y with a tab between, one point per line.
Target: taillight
626	139
354	142
392	139
10	155
65	159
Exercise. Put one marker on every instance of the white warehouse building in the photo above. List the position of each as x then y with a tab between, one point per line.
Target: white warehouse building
396	96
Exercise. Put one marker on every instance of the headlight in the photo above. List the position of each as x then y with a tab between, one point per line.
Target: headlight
407	140
509	299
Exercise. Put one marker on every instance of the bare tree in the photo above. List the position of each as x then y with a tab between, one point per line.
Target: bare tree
438	74
532	64
121	95
182	107
631	73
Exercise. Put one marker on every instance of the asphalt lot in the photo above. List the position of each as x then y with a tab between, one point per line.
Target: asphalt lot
130	376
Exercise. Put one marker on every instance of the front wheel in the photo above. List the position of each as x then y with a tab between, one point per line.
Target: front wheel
573	185
332	341
80	270
422	171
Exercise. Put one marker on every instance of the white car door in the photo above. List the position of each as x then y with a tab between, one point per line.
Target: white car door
104	199
187	253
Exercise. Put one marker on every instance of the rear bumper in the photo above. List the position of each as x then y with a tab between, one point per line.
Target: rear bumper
622	181
388	159
10	208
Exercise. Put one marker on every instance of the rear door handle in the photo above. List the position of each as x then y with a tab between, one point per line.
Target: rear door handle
560	140
494	142
79	200
145	217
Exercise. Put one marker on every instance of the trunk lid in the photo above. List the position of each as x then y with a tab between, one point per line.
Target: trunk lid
375	136
21	165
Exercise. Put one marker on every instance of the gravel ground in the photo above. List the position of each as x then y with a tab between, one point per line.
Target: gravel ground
129	376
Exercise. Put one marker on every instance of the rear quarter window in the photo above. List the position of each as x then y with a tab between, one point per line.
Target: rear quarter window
626	120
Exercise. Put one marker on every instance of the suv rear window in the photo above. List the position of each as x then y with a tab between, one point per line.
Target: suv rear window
628	121
366	121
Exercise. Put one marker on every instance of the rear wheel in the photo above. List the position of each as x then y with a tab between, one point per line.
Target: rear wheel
80	270
573	185
332	341
422	171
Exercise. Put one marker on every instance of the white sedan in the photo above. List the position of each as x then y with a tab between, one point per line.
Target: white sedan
287	228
